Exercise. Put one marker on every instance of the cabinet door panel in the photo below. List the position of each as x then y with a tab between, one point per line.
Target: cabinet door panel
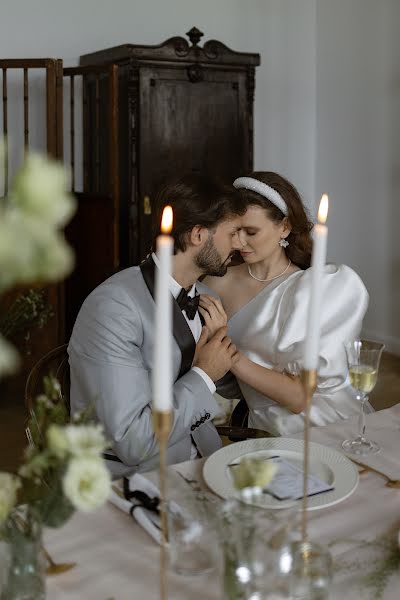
187	125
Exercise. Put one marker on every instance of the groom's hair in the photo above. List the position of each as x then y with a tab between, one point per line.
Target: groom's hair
197	200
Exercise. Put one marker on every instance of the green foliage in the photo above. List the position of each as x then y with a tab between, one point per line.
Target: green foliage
54	508
49	409
30	310
375	569
43	470
387	565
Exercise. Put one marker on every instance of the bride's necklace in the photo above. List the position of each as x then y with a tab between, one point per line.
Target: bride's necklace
269	278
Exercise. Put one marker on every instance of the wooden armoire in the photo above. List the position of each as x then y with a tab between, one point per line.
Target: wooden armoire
181	107
152	113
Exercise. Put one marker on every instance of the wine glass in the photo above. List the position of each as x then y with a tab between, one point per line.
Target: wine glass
363	357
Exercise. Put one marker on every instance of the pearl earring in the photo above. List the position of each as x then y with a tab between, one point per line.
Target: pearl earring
283	243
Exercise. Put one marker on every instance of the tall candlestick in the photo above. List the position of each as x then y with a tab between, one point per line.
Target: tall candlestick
314	308
162	367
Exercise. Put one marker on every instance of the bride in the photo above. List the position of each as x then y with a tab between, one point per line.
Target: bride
265	301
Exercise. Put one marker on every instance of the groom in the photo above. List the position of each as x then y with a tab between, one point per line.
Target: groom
112	343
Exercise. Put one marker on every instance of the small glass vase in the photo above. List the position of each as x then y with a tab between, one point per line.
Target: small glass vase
25	579
236	530
256	547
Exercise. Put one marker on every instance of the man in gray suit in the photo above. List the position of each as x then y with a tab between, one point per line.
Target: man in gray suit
111	347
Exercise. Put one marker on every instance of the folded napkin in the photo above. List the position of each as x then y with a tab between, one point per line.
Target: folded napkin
142	504
382	427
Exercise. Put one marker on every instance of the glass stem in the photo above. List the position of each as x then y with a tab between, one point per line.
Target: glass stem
361	423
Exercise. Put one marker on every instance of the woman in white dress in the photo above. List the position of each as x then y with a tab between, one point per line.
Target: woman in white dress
265	300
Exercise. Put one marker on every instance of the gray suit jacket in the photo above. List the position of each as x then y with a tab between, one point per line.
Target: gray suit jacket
111	357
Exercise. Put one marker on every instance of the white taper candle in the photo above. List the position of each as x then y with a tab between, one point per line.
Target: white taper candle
162	366
318	261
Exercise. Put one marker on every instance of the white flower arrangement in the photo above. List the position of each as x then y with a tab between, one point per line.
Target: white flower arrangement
85	441
32	246
63	468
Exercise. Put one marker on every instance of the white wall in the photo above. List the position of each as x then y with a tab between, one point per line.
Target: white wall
282	31
285	115
356	147
55	28
326	104
391	161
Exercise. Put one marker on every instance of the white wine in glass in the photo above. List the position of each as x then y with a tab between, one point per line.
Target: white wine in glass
363	358
363	377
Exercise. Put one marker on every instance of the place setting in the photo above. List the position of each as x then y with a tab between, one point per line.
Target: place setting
332	476
375	447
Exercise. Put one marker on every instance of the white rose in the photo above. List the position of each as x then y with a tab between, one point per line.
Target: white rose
86	483
50	256
40	190
253	472
15	249
9	485
57	441
85	440
8	358
31	251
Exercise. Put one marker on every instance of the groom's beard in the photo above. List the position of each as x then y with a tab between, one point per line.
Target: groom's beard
209	260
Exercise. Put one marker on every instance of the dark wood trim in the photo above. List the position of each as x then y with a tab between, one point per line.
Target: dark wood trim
88	70
29	63
59	111
174	49
26	110
114	155
5	129
72	129
51	110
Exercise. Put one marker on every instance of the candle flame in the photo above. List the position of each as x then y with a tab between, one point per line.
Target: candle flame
323	209
167	220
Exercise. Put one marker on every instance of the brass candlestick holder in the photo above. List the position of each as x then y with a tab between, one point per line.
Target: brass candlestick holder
162	421
308	379
312	563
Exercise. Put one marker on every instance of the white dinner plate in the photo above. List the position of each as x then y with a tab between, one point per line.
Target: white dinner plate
329	465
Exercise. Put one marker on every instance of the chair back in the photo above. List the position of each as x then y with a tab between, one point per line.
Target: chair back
237	429
56	363
238	434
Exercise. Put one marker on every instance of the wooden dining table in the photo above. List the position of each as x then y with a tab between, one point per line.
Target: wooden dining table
117	560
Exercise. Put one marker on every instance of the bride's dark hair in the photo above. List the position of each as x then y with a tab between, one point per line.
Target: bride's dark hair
300	242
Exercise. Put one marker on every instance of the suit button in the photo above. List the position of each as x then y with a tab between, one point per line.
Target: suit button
207	415
203	419
193	427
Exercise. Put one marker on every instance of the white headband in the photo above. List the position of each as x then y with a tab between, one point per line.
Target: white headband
248	183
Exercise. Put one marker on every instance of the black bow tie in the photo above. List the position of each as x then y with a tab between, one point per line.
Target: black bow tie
188	304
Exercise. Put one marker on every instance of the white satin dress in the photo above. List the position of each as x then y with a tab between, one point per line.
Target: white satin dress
270	330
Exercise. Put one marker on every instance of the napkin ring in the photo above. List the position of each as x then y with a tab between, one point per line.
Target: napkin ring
143	499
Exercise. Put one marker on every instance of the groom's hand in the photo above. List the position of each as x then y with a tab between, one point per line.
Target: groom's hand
217	355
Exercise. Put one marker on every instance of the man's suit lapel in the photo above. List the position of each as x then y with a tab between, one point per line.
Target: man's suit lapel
181	330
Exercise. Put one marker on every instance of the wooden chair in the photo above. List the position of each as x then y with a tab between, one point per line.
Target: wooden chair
238	434
56	362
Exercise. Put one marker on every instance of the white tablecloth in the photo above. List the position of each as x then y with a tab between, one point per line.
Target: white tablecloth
116	559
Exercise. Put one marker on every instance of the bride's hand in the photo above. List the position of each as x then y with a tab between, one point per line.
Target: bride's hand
213	313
